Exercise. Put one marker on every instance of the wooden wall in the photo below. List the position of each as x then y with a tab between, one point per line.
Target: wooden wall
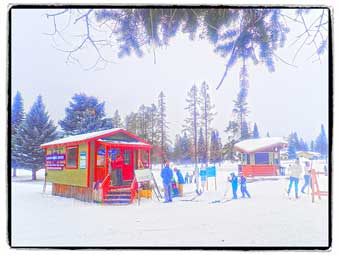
81	193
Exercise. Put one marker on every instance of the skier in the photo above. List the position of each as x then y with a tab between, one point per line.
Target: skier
306	176
234	184
295	172
244	187
180	181
186	177
167	175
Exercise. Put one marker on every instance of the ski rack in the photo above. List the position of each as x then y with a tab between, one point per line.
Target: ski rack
155	188
315	186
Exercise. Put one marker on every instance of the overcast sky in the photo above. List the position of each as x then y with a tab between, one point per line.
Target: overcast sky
290	99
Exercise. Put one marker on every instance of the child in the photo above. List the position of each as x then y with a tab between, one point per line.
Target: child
244	187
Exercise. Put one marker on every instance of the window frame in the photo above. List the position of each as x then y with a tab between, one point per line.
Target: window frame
77	152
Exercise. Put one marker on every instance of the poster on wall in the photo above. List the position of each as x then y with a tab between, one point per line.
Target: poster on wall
55	161
82	163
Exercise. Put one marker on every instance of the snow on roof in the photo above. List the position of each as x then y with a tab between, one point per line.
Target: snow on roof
252	145
77	138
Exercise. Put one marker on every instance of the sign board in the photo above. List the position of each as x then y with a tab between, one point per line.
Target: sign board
55	161
143	175
82	160
211	171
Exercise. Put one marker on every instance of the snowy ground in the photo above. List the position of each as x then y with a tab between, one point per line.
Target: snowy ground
269	218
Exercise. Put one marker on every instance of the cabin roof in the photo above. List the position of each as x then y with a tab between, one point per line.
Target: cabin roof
94	136
260	144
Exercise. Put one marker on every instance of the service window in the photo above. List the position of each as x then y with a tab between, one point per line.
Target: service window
262	158
101	156
72	157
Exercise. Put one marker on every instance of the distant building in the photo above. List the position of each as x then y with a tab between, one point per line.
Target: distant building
261	156
308	154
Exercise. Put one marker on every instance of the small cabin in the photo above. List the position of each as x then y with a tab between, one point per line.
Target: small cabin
98	166
261	156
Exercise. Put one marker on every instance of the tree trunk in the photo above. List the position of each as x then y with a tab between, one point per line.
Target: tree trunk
34	174
14	172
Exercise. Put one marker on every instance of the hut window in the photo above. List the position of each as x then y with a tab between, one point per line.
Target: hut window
262	158
127	157
101	156
72	157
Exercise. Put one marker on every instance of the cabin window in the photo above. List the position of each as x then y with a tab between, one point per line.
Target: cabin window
262	158
101	156
127	157
72	157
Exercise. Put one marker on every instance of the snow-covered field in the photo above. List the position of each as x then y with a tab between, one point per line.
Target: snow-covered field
269	218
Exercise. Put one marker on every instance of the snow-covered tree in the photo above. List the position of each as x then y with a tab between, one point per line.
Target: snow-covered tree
36	129
17	117
255	131
292	145
84	114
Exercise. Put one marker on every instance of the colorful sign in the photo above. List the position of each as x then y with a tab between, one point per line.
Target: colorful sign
82	160
211	171
55	161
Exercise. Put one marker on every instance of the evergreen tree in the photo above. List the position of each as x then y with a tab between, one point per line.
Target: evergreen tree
163	126
84	114
312	146
321	143
191	122
267	135
35	130
245	131
292	146
185	149
116	120
201	148
207	115
256	132
131	123
17	117
216	147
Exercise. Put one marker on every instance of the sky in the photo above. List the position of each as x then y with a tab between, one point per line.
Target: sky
290	99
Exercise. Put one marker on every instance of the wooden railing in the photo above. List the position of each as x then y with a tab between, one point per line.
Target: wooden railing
133	189
105	186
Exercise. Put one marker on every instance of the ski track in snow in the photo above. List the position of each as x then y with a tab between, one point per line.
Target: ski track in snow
269	218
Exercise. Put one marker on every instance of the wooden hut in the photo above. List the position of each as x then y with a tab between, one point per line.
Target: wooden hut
98	166
260	157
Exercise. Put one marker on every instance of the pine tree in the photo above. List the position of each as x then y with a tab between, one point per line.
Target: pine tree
163	126
85	114
17	118
245	131
185	149
191	122
35	130
116	120
321	143
267	135
312	146
256	132
292	142
207	116
216	147
131	123
201	148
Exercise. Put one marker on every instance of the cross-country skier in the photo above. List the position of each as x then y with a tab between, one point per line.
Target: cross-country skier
244	187
234	184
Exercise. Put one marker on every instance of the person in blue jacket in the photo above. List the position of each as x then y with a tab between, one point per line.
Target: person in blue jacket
167	176
234	184
244	190
180	181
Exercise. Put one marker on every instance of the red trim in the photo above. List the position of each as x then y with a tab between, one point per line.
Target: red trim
98	137
72	147
88	164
